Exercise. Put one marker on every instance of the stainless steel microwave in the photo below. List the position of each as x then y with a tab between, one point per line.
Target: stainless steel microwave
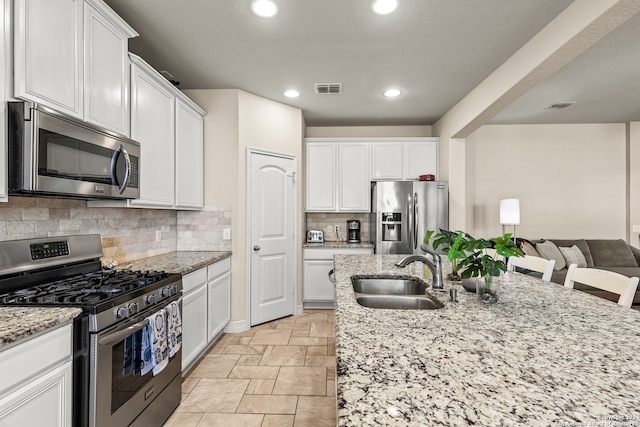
53	155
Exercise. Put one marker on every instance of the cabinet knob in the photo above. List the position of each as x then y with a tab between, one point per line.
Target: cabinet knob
256	248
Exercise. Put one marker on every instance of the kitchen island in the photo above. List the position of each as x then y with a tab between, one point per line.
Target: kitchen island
543	355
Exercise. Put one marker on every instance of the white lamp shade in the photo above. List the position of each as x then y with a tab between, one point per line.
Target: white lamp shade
510	211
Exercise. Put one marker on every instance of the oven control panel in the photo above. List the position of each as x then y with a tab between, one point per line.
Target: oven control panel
49	249
144	301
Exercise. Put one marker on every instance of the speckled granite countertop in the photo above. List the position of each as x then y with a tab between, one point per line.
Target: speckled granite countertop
18	323
338	245
544	355
183	262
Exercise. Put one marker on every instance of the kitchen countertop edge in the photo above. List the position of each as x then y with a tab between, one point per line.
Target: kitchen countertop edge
341	245
20	324
183	262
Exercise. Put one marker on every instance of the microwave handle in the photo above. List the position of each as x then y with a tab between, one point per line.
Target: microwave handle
114	165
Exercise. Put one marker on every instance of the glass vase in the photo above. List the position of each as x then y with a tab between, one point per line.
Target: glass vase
487	289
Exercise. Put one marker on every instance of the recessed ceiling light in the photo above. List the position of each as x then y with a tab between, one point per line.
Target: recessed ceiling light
384	7
392	93
264	8
291	93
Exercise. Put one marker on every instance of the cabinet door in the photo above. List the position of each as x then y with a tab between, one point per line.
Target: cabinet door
386	160
194	325
45	401
316	283
219	294
421	158
321	177
354	186
107	76
4	63
48	53
189	157
152	125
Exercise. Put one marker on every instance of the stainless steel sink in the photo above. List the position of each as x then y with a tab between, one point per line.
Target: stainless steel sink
402	285
393	292
400	302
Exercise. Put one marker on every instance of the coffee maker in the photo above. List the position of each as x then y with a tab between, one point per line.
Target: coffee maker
353	230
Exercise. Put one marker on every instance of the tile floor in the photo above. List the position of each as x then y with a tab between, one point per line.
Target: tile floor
280	374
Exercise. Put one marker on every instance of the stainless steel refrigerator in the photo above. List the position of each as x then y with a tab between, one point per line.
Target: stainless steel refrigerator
403	211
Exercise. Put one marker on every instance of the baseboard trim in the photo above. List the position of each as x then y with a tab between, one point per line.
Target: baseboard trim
237	326
299	309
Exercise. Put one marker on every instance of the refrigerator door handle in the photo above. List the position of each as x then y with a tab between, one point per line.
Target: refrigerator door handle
411	220
415	220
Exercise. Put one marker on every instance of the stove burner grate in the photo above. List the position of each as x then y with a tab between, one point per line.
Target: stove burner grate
88	288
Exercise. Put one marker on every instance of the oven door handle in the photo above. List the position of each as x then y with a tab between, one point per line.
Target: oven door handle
117	336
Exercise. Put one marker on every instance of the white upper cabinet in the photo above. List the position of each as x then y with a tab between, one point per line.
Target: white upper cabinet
321	186
354	192
106	71
337	175
420	158
71	56
48	53
404	158
339	171
189	156
152	125
387	160
170	130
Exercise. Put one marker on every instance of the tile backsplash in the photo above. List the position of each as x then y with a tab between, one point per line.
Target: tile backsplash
328	222
204	230
127	234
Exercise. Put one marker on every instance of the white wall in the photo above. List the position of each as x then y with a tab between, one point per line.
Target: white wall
236	121
633	146
570	179
367	131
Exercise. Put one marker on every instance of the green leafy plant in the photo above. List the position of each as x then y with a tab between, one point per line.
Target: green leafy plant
468	255
453	244
478	263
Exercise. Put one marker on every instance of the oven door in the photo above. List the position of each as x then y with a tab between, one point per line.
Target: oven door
118	392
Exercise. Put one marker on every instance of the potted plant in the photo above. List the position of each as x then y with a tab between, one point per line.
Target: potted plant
479	264
453	244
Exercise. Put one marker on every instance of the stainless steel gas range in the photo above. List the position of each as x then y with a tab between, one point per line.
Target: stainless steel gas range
127	355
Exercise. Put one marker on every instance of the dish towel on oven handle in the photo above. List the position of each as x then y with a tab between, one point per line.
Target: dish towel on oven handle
174	328
155	351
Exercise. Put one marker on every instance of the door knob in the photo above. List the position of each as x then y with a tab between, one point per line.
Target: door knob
256	248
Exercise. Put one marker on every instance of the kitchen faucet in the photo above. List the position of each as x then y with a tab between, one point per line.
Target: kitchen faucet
435	266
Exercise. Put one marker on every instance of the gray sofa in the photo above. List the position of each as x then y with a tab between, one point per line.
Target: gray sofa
612	255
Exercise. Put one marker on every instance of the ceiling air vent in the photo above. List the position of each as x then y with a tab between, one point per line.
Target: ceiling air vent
328	88
559	105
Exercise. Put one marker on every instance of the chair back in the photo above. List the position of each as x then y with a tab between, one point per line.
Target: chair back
605	280
493	254
533	263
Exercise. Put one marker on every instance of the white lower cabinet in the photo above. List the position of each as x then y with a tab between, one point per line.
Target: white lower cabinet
206	309
318	290
36	388
219	294
194	316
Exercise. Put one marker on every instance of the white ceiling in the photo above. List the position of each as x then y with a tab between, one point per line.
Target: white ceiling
435	51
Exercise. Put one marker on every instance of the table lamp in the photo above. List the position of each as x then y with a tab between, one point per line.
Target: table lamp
510	214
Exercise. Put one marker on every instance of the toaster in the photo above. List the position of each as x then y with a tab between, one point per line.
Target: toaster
315	236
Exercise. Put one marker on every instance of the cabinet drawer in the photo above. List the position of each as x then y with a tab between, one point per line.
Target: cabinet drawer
219	268
34	356
193	280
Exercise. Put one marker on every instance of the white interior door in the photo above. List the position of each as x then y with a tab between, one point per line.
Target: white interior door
272	236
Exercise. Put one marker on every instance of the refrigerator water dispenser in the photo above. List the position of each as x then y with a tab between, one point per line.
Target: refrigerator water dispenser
391	226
